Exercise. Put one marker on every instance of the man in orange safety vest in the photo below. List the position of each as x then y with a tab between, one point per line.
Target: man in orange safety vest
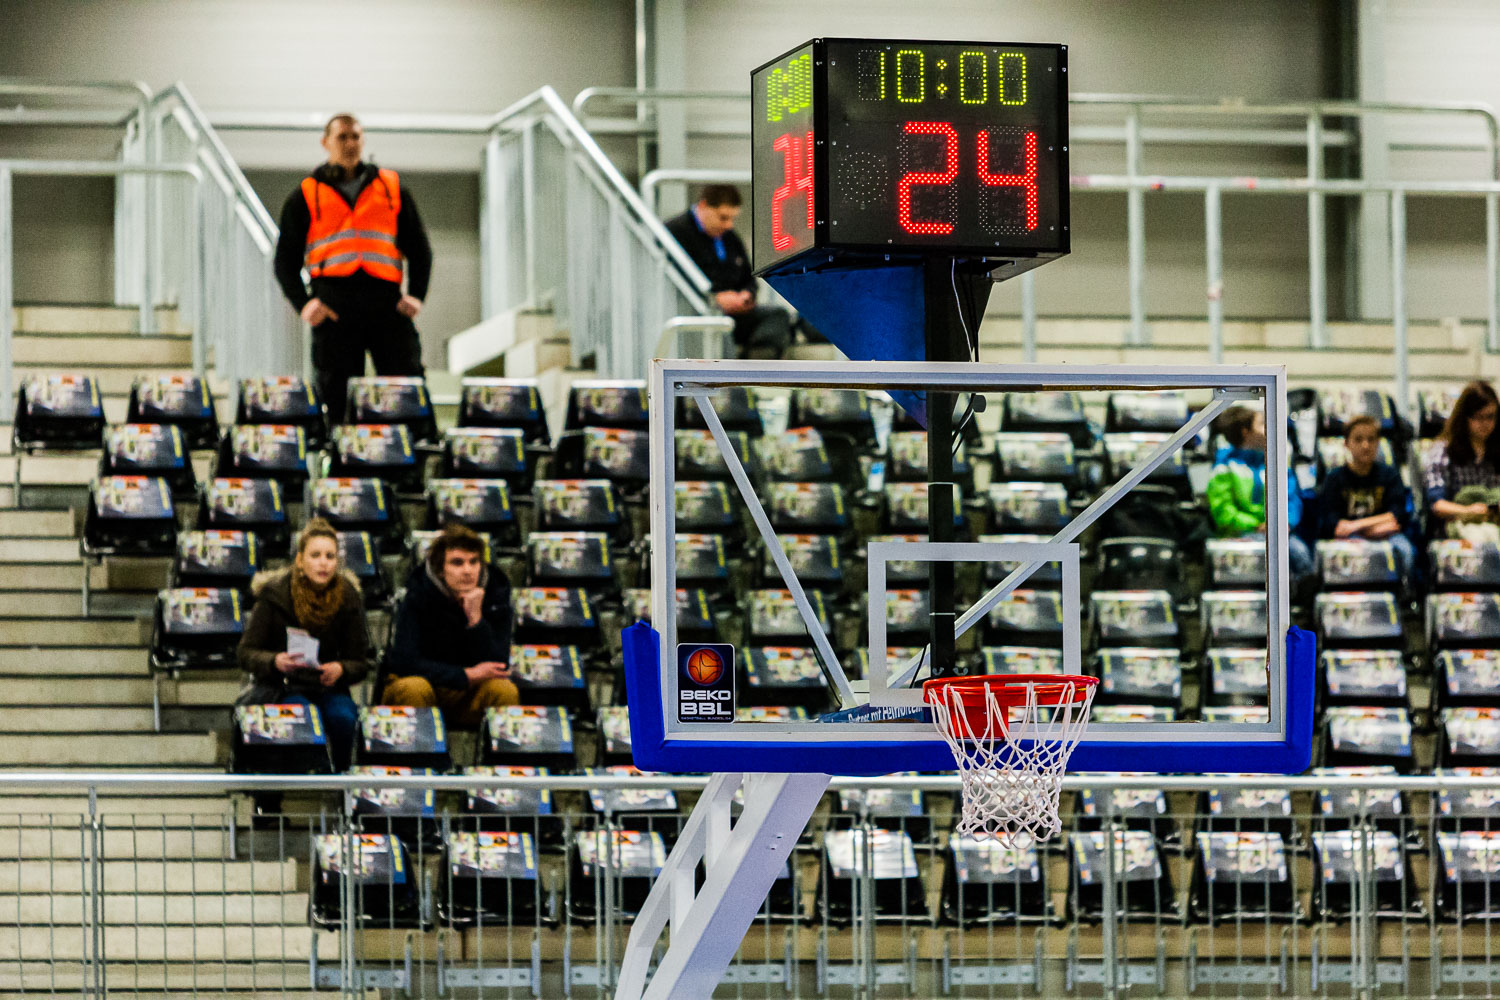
350	225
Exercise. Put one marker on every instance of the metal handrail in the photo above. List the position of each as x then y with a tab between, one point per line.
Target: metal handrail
84	168
243	192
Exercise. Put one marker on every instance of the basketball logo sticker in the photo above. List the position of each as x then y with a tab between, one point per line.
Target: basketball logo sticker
705	682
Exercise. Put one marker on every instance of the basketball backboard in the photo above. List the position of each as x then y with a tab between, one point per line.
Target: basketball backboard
846	630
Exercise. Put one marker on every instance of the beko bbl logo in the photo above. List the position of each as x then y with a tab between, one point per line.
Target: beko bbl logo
705	682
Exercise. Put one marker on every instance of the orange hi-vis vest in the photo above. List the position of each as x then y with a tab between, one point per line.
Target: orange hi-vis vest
342	240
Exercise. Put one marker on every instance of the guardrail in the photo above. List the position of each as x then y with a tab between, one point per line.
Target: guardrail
1191	893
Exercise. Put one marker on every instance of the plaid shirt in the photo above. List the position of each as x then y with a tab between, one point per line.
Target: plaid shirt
1441	480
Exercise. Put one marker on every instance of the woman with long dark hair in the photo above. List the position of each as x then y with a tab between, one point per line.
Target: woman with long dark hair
1466	454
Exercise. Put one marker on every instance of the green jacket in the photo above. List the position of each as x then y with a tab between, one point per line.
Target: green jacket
1237	494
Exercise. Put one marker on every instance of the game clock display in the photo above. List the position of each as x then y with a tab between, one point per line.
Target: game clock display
910	147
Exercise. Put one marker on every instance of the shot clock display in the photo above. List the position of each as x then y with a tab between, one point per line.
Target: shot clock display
910	147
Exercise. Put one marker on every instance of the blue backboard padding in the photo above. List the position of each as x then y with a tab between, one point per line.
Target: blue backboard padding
652	751
871	314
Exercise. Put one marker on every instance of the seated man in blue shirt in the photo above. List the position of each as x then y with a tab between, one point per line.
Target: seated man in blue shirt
1365	498
706	232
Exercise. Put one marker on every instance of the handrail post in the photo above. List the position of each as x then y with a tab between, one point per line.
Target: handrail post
1214	239
7	305
528	207
1135	202
200	280
1028	317
1398	295
1317	259
1492	272
150	143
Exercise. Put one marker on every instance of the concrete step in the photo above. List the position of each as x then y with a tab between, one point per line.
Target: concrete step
27	840
95	318
145	980
79	632
172	809
170	944
154	875
40	550
115	719
110	750
77	665
90	690
66	603
116	574
234	910
54	469
37	524
55	349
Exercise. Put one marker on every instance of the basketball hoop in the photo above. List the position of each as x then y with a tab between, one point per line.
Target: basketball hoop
1011	735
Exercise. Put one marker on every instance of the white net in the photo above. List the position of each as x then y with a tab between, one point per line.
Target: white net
1011	773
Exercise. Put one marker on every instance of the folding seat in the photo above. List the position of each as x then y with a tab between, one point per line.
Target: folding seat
606	403
1028	507
184	400
386	884
1141	564
561	615
1468	807
1236	563
1303	421
732	404
194	628
571	559
550	674
1367	736
1333	454
702	561
817	560
268	451
408	814
989	882
613	743
785	675
906	510
1136	674
1461	565
129	516
845	412
619	454
1263	810
215	559
771	617
885	857
1145	410
906	460
583	505
993	572
1236	714
1034	457
1337	407
490	877
1338	863
697	614
629	859
1026	617
1470	875
279	739
482	504
1362	677
1342	808
534	735
1047	412
907	614
376	451
1463	620
393	399
805	455
900	810
696	455
361	505
1133	808
504	403
810	508
285	400
1143	882
1234	617
61	411
1466	677
1135	618
1235	676
488	453
361	557
510	808
652	810
1123	452
149	450
403	735
1358	620
704	506
1433	407
1022	660
1469	736
255	505
1242	875
1358	564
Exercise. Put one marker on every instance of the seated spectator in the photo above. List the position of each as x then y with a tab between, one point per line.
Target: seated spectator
1237	488
706	232
452	643
319	597
1365	498
1461	471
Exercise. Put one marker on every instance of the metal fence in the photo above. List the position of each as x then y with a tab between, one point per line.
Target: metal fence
1213	889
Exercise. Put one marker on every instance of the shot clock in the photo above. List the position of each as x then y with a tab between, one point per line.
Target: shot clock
878	146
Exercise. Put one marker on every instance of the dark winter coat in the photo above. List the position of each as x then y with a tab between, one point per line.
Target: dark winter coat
433	638
344	640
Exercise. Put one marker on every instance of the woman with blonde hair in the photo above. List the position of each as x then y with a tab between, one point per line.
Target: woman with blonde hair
317	596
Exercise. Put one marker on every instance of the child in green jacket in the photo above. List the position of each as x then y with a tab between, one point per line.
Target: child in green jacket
1237	489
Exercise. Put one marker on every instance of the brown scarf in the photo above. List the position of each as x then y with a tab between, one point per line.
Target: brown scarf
315	607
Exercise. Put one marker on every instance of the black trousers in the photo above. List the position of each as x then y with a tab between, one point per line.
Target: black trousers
764	332
366	324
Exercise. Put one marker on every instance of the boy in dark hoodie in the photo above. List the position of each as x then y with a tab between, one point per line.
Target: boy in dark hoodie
452	641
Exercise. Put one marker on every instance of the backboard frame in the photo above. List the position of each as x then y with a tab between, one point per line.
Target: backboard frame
660	743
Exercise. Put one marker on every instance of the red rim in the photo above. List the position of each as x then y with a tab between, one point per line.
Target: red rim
1009	690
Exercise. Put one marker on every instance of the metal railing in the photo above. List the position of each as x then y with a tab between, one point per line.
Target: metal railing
1168	885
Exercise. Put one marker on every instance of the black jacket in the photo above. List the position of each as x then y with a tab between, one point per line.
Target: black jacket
344	640
1347	497
411	240
732	274
433	638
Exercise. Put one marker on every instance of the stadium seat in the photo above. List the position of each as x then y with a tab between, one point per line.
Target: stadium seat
1466	677
1363	677
1358	620
1235	563
844	412
697	456
150	450
697	617
408	814
988	882
215	559
733	404
804	455
1332	454
1367	736
1141	564
629	859
905	510
387	886
1133	808
491	877
58	411
702	561
510	809
403	736
560	615
906	460
268	451
887	858
129	516
1337	865
994	571
900	810
361	505
1034	457
1234	618
508	403
1467	807
705	506
488	453
392	399
1028	507
481	504
1433	408
1338	407
255	505
618	454
606	403
1243	875
1461	565
361	557
551	675
1136	674
286	400
1026	617
815	559
821	508
771	617
571	559
1124	451
1463	620
1262	810
1137	410
1469	736
1470	879
1235	676
194	628
531	735
1144	882
184	400
376	451
1134	618
613	743
279	739
1339	809
1047	412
